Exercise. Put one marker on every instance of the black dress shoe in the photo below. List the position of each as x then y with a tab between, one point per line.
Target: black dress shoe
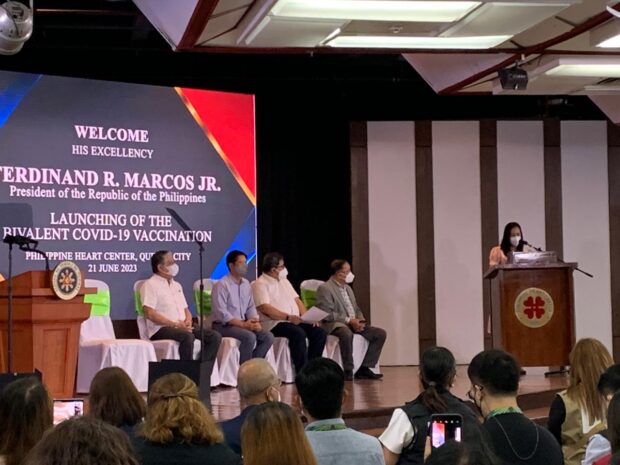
348	375
367	373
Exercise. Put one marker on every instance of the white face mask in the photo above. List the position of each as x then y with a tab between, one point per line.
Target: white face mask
349	278
283	274
514	240
173	269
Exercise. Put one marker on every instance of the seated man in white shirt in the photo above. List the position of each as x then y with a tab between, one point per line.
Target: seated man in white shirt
281	308
166	310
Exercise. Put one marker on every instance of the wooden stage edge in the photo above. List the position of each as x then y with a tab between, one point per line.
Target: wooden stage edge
370	404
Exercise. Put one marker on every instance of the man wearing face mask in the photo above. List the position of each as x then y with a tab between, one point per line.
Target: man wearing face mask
234	313
345	318
257	383
281	308
166	311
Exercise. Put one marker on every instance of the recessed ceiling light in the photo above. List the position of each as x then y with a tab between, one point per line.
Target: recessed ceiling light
599	70
375	10
607	35
404	42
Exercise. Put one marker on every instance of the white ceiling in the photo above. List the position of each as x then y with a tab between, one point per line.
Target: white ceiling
536	32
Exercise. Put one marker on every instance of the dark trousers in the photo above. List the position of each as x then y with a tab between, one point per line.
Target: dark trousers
210	343
253	345
374	336
296	335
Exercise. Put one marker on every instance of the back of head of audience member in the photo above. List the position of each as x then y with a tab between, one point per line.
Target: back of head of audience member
26	412
588	360
174	413
274	435
437	372
613	423
609	382
257	382
320	385
83	441
114	398
494	375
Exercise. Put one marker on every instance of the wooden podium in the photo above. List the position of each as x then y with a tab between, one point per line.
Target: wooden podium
532	312
46	330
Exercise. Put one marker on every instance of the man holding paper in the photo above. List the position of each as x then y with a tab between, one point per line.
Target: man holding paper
345	318
281	311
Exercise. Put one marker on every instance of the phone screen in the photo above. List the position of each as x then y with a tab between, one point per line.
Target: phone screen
67	408
445	427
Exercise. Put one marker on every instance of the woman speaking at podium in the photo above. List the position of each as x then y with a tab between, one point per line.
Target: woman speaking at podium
512	241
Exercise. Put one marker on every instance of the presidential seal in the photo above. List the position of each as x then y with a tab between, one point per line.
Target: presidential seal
66	280
534	307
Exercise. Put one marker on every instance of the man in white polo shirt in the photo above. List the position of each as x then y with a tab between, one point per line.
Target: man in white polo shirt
280	310
166	312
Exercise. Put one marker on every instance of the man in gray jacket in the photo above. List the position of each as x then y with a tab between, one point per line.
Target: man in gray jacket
345	319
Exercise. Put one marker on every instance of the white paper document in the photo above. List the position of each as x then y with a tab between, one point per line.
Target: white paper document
313	315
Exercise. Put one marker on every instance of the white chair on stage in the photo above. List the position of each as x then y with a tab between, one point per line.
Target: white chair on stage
99	347
165	349
279	356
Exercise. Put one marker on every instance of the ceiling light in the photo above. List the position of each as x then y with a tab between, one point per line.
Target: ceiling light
375	10
598	70
403	42
607	35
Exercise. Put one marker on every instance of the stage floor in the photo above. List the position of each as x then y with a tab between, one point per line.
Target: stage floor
377	399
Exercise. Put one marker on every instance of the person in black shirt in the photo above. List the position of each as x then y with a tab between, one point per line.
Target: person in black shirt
494	377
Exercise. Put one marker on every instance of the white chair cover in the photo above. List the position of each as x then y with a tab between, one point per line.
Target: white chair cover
99	349
228	361
360	347
281	360
311	284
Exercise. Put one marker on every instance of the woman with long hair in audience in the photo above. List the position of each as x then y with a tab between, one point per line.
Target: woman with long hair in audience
114	399
274	435
178	428
26	412
404	439
578	413
599	447
612	433
83	441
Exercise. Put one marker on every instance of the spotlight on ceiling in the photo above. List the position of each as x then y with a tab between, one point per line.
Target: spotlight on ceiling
15	26
513	78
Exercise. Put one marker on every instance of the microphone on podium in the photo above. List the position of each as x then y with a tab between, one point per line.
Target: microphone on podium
532	246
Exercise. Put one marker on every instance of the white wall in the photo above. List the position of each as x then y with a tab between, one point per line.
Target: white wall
393	238
457	223
585	210
521	178
458	277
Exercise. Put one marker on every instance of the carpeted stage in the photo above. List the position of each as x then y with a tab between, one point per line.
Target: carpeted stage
370	403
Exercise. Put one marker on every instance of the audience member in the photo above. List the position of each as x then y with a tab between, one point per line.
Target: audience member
599	447
346	319
178	428
494	377
257	383
320	385
473	450
26	412
578	413
83	441
281	311
114	399
273	435
612	432
234	313
404	439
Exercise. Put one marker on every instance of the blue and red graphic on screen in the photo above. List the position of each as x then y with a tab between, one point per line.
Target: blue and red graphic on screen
90	169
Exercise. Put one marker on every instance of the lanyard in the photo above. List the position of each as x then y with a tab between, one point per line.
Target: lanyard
330	427
504	410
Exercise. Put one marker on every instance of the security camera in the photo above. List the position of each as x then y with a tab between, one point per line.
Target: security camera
15	26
